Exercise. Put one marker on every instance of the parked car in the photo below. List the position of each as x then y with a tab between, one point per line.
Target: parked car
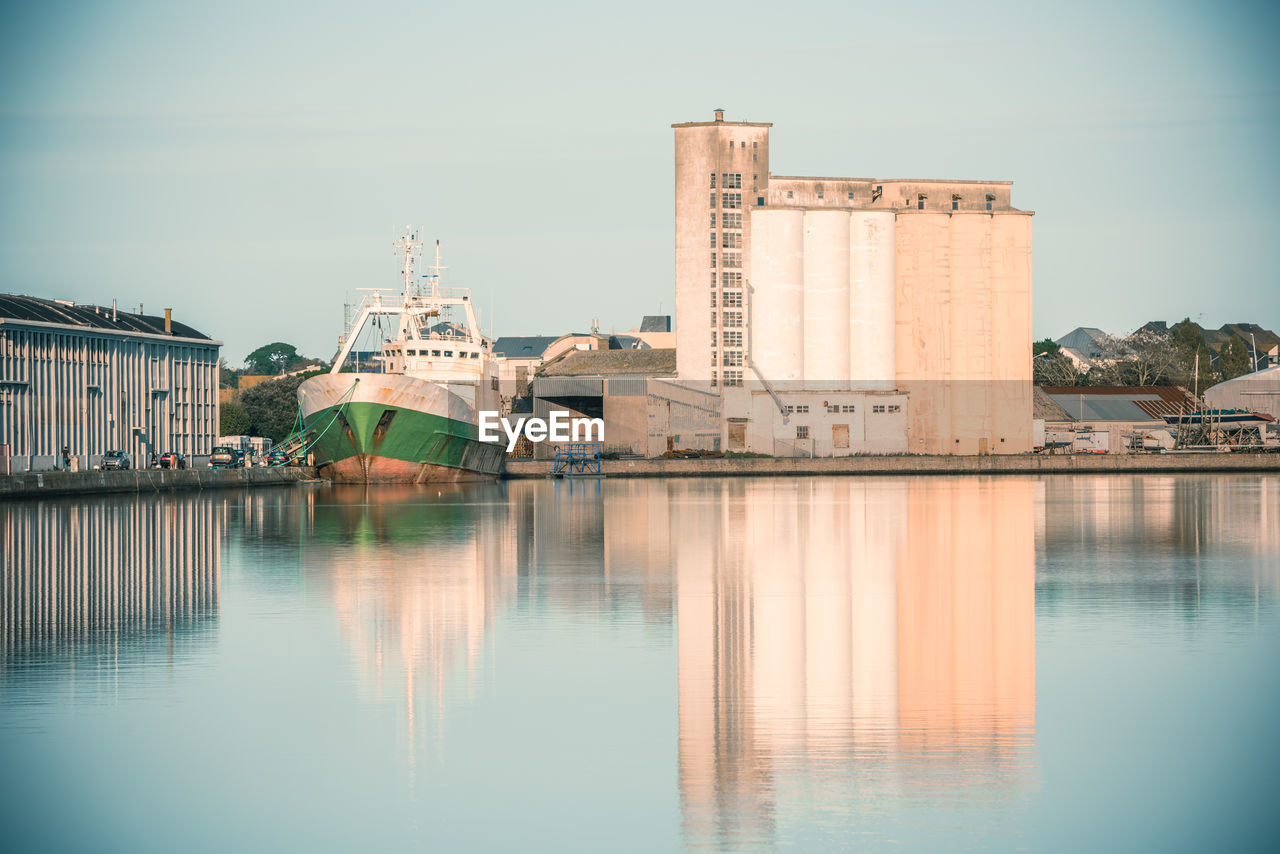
278	458
114	460
172	461
226	458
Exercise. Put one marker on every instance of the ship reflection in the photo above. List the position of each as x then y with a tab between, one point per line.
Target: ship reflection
827	627
107	579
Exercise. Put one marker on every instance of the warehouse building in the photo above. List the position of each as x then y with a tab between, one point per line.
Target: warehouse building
83	380
790	290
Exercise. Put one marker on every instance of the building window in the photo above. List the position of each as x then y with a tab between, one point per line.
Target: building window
819	188
713	278
789	194
729	239
759	201
713	257
713	200
713	301
731	145
878	408
733	358
802	409
732	220
802	431
733	299
731	339
713	358
744	143
955	201
990	198
877	193
713	379
732	201
730	280
920	201
851	195
713	240
732	259
713	318
895	408
733	319
849	408
713	219
733	378
713	339
713	180
754	156
732	180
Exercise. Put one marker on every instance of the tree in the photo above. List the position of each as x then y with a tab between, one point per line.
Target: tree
272	406
274	358
1048	346
1055	369
1144	358
233	420
1233	358
1193	350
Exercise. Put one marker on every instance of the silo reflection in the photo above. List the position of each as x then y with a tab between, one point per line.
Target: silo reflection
831	633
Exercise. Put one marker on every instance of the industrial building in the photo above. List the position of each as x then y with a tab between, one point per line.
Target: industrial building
84	379
805	300
645	411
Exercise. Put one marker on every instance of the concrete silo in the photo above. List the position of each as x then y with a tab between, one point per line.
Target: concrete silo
872	362
826	298
777	293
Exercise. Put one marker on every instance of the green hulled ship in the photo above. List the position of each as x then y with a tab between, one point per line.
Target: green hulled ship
412	417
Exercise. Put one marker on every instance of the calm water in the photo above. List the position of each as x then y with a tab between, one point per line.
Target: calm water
877	664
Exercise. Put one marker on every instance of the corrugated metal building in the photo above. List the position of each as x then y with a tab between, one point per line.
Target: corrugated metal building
90	379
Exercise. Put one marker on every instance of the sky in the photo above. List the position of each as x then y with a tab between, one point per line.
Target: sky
249	164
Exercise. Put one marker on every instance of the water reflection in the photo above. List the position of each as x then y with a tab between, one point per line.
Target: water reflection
845	640
105	578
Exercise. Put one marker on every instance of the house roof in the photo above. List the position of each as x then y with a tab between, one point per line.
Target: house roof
523	346
633	363
40	310
1121	403
656	323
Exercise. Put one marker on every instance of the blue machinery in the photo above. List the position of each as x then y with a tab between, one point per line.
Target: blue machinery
578	459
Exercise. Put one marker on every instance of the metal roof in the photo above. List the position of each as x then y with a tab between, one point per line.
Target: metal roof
635	363
1121	403
39	310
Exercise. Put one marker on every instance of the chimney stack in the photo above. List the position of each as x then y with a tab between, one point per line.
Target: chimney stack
113	311
168	321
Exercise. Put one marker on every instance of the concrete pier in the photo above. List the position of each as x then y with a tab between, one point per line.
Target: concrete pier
909	465
38	484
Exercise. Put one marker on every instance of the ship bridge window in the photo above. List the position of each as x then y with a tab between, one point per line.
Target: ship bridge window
475	355
448	354
435	352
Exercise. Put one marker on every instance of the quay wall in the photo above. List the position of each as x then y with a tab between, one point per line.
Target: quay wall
919	464
37	484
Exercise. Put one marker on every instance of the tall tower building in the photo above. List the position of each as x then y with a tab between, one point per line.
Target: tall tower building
722	170
914	290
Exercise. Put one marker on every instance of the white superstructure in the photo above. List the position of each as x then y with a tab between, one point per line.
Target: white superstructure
434	334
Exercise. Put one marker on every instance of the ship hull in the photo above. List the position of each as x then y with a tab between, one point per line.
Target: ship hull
391	428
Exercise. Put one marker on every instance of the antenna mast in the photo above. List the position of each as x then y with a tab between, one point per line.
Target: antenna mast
408	247
436	268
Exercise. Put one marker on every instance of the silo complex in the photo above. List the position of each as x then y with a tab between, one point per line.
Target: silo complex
778	300
872	363
826	298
